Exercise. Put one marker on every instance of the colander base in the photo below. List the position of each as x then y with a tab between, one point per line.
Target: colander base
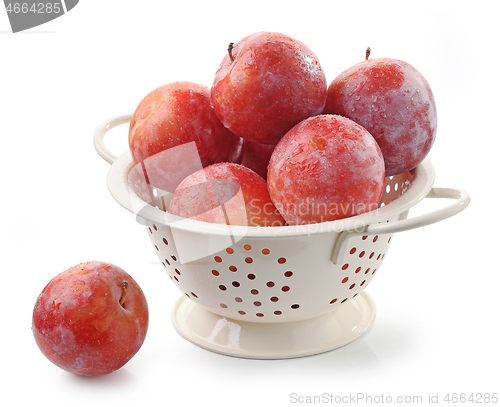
283	340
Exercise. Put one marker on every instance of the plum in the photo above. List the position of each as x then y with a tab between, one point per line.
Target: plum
225	193
91	319
394	102
325	168
266	84
174	115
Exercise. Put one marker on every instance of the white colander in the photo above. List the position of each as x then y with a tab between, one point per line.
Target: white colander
274	292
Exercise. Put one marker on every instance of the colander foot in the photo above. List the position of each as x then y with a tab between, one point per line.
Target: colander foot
283	340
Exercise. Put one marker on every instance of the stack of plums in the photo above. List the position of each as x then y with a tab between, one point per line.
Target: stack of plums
274	145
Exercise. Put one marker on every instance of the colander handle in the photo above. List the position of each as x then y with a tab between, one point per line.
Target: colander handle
101	131
461	198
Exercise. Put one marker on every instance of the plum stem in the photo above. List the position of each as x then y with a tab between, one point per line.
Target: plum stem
368	52
230	51
125	292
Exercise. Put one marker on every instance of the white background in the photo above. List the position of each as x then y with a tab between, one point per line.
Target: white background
436	330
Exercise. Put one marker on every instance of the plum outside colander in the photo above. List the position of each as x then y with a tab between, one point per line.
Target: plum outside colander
273	292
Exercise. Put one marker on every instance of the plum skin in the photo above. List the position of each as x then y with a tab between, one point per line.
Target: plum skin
79	324
173	115
241	191
256	156
394	102
325	168
273	83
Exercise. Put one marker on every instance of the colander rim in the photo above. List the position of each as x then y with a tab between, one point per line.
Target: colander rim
117	182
